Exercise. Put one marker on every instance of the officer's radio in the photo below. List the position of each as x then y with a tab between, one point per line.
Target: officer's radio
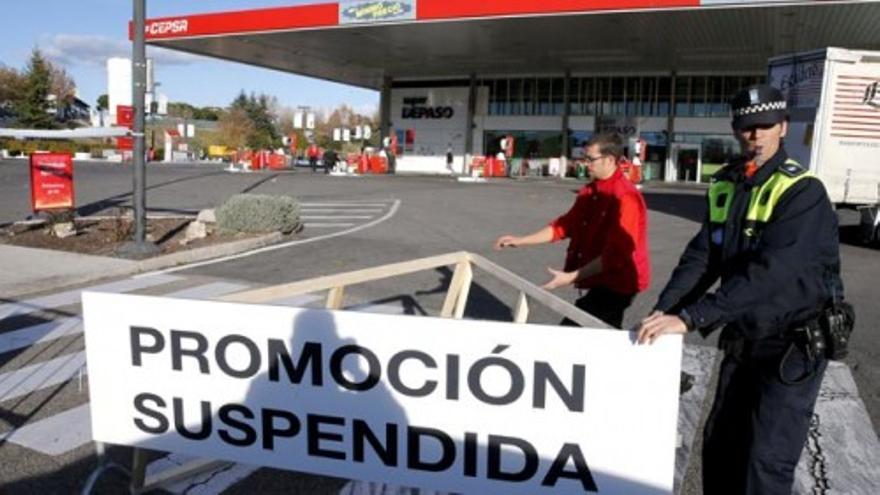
829	335
837	322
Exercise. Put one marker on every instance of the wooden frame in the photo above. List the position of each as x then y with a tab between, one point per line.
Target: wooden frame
453	307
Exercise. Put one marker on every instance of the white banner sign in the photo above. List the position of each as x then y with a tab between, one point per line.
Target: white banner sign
457	405
298	120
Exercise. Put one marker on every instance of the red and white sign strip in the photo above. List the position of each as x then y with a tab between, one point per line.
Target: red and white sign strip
456	405
245	21
327	14
854	115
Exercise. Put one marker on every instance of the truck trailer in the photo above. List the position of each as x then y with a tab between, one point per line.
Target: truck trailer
834	106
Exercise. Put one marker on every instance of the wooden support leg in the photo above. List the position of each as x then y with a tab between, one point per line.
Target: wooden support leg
334	297
521	313
461	300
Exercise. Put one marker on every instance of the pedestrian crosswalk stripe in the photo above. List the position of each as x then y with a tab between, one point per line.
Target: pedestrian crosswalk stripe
326	225
44	332
345	205
31	378
335	217
208	291
73	296
341	210
57	434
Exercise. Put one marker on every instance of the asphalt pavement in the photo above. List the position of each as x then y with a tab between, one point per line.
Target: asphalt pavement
399	218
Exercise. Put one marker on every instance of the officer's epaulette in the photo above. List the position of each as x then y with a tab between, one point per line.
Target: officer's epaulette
728	171
792	168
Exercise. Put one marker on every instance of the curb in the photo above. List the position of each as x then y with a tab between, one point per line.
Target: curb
207	252
135	267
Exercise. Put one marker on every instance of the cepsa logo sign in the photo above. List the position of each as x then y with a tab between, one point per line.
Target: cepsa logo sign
158	28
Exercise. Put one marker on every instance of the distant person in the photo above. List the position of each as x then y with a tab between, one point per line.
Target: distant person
312	152
607	227
449	157
330	159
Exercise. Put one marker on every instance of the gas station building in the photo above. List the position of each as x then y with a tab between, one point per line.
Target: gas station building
460	75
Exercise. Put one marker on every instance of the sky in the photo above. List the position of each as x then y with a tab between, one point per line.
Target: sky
79	35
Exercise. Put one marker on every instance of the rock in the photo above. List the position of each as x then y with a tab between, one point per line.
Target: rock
207	216
64	230
195	230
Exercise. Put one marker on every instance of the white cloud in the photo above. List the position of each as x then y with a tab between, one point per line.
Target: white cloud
75	49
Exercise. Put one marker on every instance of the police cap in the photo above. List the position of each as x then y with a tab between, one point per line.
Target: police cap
758	104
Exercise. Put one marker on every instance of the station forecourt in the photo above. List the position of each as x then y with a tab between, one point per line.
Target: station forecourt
459	76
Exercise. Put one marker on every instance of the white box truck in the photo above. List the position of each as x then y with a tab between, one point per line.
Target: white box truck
834	105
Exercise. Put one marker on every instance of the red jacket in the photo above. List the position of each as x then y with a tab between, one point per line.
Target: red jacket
608	219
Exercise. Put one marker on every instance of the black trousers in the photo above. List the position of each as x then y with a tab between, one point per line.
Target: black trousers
604	304
759	424
313	162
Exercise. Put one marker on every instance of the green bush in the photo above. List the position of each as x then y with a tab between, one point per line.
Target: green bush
18	147
259	213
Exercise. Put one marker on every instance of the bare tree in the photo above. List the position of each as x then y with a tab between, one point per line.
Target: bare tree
234	127
61	84
11	85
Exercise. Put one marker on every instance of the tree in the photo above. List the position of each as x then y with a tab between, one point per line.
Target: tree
61	85
11	85
257	108
234	128
103	102
33	107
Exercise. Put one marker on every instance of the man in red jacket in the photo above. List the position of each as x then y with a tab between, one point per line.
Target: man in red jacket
607	227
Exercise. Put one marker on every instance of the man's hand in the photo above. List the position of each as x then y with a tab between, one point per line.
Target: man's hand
659	323
559	279
506	241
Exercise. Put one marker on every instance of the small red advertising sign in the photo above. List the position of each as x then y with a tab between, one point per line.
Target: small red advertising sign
51	181
125	143
124	115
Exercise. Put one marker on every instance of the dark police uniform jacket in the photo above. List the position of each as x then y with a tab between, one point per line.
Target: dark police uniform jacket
775	273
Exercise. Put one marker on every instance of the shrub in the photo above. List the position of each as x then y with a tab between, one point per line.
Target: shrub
259	213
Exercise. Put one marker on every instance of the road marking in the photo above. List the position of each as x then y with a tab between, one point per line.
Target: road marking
341	210
391	212
208	291
57	434
45	332
327	225
35	377
336	217
70	297
344	205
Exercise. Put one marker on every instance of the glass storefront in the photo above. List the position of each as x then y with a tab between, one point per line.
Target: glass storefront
716	150
646	96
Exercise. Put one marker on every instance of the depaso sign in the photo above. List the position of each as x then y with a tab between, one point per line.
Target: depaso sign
359	12
418	108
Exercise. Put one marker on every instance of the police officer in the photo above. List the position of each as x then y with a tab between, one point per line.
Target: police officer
771	238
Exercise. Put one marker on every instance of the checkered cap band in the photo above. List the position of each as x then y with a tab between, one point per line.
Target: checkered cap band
760	107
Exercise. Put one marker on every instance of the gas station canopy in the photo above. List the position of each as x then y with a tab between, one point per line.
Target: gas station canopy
363	42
